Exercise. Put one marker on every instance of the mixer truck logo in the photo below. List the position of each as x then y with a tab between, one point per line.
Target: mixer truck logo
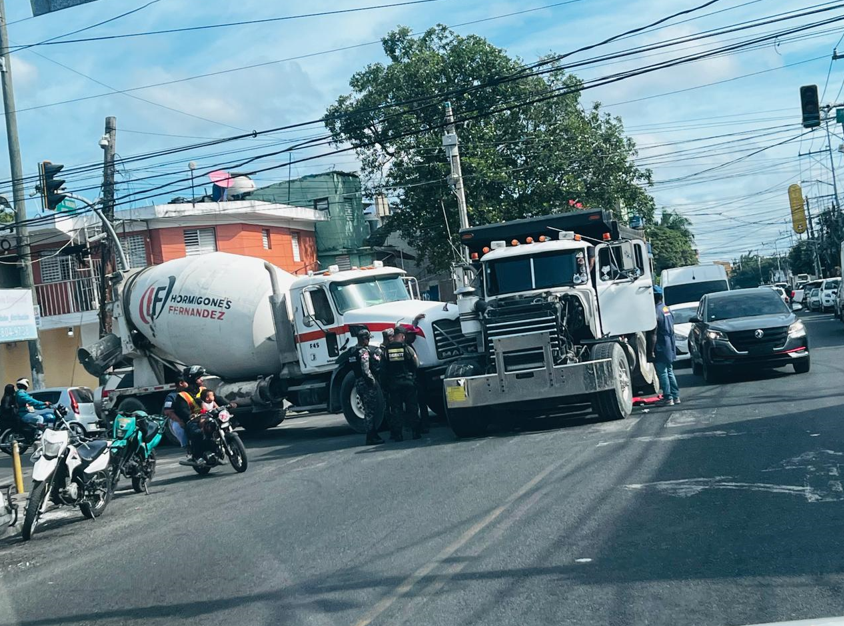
158	298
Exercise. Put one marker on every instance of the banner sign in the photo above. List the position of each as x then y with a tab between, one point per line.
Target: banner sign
17	316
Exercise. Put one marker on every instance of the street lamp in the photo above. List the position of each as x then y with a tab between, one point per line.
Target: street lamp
192	167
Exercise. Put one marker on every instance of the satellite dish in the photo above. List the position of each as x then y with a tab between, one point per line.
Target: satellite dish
240	185
221	179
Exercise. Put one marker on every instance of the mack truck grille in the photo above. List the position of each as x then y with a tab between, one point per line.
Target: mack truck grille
450	341
516	319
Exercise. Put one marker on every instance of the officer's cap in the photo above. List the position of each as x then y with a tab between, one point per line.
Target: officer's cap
398	330
364	334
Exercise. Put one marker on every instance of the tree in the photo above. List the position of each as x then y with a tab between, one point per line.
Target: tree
520	158
752	270
672	242
801	258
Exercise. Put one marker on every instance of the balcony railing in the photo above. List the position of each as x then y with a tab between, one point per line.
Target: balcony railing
77	295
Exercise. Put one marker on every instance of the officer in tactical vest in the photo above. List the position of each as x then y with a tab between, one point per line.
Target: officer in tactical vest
362	360
399	376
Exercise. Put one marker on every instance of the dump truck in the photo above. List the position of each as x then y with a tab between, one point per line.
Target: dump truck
561	308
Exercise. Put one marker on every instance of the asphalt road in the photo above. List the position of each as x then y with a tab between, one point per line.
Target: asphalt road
727	509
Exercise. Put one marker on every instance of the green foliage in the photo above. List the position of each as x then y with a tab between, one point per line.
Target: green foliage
6	217
672	242
751	270
801	258
526	161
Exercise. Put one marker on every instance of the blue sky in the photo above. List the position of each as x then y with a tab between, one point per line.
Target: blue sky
738	207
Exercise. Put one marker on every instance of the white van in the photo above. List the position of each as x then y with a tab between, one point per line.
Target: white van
691	283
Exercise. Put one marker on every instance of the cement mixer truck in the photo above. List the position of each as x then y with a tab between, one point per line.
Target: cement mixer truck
273	339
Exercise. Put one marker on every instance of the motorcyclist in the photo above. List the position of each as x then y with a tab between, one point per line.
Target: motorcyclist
187	409
27	405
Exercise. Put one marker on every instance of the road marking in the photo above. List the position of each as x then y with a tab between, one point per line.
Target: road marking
688	487
692	417
583	560
615	427
412	580
712	433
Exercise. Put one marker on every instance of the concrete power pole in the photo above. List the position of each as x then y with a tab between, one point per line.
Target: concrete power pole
109	145
36	363
450	143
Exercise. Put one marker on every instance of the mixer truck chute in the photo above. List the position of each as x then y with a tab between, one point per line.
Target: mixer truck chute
560	306
272	338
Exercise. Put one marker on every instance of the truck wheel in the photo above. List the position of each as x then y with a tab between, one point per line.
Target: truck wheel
615	403
353	407
262	420
465	422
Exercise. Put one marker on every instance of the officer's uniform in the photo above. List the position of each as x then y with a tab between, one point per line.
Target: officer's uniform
362	360
400	368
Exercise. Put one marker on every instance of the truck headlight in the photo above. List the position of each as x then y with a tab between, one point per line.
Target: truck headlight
715	334
797	329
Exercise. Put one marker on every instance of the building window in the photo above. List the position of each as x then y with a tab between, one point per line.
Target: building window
294	240
200	241
321	204
343	261
265	239
55	268
135	248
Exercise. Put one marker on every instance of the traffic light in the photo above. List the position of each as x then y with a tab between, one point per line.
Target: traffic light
811	108
49	186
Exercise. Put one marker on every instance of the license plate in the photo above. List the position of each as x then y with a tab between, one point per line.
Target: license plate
456	393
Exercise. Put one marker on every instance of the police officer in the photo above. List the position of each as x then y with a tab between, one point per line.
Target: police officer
412	333
400	368
363	361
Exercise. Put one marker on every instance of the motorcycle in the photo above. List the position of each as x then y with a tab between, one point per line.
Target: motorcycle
133	448
221	443
69	470
17	430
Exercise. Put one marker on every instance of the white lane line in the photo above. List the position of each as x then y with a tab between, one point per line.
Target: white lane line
692	417
616	427
679	437
688	487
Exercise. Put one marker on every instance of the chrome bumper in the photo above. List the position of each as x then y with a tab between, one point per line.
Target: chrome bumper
526	385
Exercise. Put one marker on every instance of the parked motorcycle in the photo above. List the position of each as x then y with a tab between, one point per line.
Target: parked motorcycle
222	443
133	448
69	471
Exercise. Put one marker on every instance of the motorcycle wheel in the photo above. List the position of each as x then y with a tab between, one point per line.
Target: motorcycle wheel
92	510
33	509
7	437
140	483
238	456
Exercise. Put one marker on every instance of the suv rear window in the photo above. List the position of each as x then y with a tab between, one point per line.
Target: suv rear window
47	396
82	394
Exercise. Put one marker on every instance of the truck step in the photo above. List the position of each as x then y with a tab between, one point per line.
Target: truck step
308	386
303	409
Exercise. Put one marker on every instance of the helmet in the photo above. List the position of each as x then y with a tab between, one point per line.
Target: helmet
398	330
192	373
22	382
364	334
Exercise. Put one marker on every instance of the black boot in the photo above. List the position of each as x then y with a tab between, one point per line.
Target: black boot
372	439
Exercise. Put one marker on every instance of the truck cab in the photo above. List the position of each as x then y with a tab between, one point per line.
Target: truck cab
560	306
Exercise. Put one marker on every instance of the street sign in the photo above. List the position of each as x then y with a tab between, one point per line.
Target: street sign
17	316
66	205
42	7
798	210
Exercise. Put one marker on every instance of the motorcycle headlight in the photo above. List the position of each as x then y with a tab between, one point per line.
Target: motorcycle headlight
797	329
51	449
715	334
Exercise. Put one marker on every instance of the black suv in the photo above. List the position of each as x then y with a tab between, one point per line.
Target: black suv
747	328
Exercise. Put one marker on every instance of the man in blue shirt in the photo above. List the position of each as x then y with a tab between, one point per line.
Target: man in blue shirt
665	350
25	401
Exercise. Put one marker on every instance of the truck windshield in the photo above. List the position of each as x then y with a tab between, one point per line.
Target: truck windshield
368	292
692	292
527	273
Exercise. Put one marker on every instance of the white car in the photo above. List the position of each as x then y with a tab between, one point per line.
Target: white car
682	327
829	291
781	293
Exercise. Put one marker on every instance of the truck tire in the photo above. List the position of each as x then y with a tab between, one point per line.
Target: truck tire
645	380
615	403
353	408
262	420
465	422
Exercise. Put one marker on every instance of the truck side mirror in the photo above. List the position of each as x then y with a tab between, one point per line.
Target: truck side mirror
628	256
308	313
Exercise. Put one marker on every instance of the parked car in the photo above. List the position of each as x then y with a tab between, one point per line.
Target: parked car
781	293
839	302
81	412
683	314
814	300
801	294
747	329
829	292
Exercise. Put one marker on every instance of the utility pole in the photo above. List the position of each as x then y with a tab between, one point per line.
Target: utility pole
109	146
812	241
450	143
831	159
36	362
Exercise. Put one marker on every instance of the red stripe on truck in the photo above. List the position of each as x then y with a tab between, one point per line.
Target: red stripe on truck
375	327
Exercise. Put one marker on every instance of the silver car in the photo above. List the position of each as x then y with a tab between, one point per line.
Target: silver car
79	402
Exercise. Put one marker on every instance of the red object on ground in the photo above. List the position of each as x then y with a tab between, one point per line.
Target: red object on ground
639	401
